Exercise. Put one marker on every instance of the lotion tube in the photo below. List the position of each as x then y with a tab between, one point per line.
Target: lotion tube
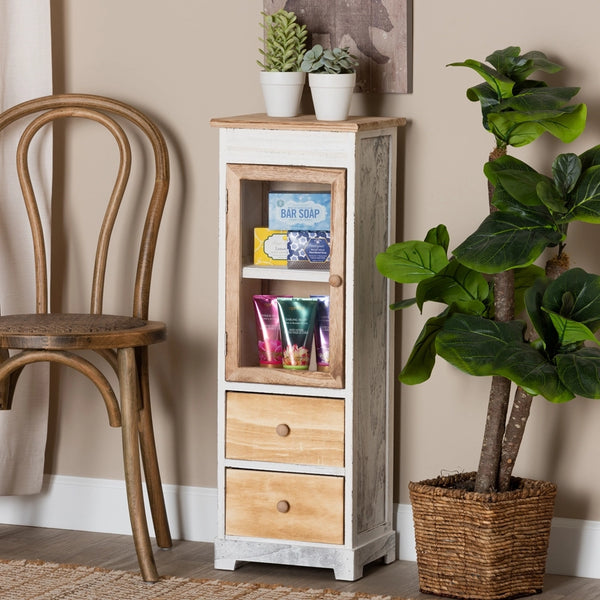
322	333
297	321
268	331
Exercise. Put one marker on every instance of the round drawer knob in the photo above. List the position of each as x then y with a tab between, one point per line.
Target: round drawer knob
283	430
335	281
283	506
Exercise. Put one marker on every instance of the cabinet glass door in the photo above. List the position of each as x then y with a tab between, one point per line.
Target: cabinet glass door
248	188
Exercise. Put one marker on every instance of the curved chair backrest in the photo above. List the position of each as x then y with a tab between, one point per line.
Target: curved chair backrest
101	110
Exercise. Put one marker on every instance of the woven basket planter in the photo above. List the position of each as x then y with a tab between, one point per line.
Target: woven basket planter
481	546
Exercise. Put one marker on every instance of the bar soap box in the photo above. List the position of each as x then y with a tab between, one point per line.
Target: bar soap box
270	247
300	211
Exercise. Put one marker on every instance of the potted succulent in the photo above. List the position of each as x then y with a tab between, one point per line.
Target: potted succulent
281	79
492	528
331	77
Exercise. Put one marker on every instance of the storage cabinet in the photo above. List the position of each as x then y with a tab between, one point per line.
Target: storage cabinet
305	457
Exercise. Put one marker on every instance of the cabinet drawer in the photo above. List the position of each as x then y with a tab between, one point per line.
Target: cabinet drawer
290	429
286	506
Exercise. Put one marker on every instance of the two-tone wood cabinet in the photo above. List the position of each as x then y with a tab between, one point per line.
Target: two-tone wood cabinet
305	457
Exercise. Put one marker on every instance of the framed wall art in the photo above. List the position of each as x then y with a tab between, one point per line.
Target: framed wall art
377	32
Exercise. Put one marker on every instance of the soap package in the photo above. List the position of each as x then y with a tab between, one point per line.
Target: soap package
305	211
308	249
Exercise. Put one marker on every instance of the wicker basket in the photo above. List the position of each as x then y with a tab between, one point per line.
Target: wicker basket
481	546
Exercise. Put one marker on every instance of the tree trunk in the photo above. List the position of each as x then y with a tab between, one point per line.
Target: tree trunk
491	448
513	437
519	414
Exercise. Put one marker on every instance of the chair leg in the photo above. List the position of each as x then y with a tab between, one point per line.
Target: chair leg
131	461
150	459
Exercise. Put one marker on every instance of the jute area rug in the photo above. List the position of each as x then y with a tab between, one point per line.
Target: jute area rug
35	580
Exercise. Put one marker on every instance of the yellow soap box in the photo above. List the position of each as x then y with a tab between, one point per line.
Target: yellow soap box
270	247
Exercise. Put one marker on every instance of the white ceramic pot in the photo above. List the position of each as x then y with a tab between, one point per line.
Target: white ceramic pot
282	92
331	94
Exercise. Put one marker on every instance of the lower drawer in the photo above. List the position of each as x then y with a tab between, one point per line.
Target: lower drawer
287	506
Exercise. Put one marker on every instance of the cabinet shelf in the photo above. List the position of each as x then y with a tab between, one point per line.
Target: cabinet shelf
311	378
285	274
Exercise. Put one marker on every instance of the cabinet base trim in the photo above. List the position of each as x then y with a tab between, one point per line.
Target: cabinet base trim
347	563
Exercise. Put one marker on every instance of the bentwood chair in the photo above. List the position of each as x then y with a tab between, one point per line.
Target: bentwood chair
121	341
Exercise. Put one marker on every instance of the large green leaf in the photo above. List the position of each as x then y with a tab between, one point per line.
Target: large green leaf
514	129
590	158
411	262
505	163
506	60
530	369
405	303
521	181
537	61
484	347
550	197
580	371
566	170
540	319
536	99
486	95
518	67
570	333
568	126
439	236
421	361
585	199
472	343
517	128
575	295
501	84
455	285
521	185
525	278
505	241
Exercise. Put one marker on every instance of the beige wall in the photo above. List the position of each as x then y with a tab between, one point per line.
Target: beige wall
186	61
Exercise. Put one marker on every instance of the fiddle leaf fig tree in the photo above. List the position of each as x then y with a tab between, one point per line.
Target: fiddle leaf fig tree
491	276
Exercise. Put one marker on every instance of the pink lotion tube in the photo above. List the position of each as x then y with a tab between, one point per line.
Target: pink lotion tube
268	331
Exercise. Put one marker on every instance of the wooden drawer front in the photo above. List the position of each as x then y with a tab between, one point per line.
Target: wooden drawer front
287	429
287	506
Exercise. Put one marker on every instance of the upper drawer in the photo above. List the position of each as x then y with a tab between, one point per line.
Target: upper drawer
286	429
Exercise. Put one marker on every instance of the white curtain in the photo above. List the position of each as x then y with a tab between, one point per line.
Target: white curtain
25	73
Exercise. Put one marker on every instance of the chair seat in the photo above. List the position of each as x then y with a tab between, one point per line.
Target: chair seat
58	331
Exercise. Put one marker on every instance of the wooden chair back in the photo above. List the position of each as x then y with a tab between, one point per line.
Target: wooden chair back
103	111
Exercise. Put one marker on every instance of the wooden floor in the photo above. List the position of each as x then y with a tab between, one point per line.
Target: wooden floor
195	559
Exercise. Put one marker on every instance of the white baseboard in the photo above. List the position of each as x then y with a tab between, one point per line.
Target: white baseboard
574	544
86	504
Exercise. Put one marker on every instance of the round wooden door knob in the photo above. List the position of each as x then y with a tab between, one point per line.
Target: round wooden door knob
335	281
283	430
283	506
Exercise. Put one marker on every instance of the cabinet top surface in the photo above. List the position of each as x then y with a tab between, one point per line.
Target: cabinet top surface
306	123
